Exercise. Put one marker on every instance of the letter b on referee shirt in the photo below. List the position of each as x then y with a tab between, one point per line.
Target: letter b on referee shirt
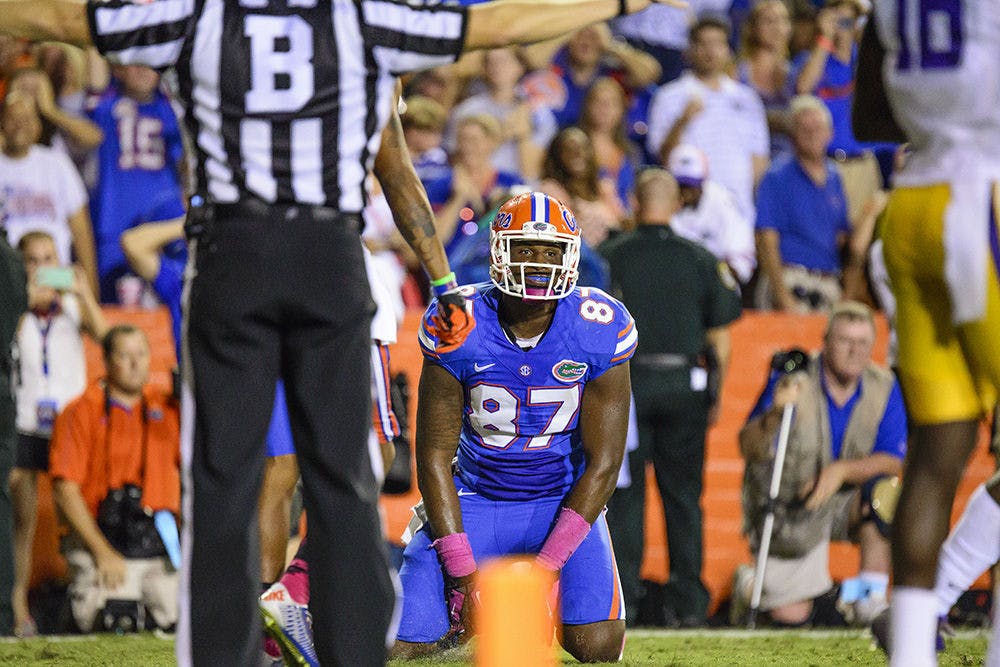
281	49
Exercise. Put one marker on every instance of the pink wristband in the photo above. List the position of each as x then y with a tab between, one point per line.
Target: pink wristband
455	553
568	533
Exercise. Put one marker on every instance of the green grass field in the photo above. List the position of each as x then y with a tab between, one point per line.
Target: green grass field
763	648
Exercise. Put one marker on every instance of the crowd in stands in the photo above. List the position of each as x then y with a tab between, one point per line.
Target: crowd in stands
755	103
746	104
90	154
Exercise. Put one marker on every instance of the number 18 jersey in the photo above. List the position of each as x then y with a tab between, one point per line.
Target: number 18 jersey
520	434
942	78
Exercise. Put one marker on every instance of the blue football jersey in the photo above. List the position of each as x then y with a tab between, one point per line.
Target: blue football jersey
520	438
138	172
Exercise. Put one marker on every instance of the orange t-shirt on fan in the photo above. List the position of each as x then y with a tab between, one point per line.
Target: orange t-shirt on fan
92	428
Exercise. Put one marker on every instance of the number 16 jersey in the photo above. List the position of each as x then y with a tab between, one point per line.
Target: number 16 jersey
520	434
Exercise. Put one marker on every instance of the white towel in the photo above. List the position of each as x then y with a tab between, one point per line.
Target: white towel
966	244
631	444
417	522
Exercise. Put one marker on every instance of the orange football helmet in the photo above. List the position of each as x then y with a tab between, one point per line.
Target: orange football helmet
539	218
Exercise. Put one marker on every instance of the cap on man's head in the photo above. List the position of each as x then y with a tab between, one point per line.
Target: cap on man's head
688	165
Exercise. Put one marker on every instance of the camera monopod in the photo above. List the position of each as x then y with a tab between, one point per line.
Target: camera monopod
784	363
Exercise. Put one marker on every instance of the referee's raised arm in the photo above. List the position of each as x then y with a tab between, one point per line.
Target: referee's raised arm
505	22
407	198
46	20
490	25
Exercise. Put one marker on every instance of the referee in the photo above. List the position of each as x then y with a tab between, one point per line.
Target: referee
285	103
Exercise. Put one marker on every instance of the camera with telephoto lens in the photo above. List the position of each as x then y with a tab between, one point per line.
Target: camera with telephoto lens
814	298
127	525
123	616
789	361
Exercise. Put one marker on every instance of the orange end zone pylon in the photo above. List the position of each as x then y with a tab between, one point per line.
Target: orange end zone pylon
514	623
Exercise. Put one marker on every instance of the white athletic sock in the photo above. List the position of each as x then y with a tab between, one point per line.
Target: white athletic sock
972	546
913	623
873	597
875	583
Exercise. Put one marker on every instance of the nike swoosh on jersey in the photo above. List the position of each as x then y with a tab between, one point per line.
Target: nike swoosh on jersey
463	492
482	368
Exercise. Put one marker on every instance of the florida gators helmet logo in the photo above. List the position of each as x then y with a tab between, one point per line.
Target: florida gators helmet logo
569	218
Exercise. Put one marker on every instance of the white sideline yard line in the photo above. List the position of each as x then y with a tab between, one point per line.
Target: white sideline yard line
83	638
732	633
51	638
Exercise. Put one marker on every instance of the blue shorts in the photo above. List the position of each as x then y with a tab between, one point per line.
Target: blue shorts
279	432
589	586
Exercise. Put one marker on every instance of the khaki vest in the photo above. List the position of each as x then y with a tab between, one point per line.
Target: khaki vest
797	530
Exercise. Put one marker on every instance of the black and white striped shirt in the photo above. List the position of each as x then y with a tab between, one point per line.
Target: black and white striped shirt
285	99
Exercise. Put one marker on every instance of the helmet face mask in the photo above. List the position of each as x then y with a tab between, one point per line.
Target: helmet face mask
534	219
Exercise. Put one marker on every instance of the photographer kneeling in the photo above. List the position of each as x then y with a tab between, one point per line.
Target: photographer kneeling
115	466
847	441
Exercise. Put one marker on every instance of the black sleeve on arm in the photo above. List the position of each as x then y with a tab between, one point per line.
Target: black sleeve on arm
414	37
871	114
121	28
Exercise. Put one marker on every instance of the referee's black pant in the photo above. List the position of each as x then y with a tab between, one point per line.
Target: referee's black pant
280	290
